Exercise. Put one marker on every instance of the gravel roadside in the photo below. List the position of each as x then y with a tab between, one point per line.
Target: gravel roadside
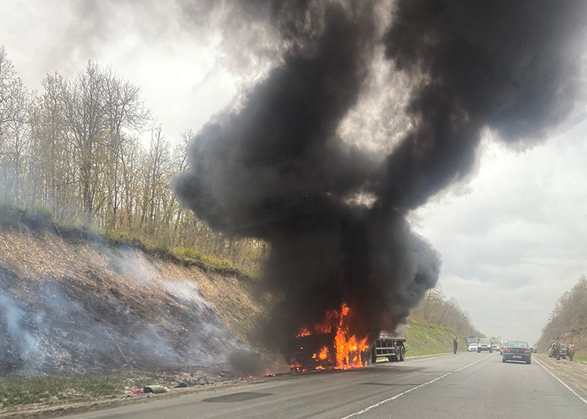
574	373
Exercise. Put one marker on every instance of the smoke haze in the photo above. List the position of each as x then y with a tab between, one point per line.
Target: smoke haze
68	323
335	212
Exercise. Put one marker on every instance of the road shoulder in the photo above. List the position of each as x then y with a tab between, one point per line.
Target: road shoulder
572	374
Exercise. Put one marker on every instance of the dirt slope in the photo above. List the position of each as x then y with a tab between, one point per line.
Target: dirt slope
82	306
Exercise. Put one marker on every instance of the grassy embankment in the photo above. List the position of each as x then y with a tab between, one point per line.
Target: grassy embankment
580	356
430	339
53	389
40	219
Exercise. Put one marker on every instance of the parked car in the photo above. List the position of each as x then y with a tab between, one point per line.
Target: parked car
484	345
517	351
472	347
563	352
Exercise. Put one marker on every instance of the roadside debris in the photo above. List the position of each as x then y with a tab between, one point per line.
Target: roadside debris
156	389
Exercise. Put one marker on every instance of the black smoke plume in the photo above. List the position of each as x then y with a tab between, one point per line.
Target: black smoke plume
277	169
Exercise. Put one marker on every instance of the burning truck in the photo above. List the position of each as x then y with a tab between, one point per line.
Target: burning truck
330	344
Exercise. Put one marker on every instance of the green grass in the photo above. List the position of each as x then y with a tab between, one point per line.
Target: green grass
430	339
580	356
196	256
49	389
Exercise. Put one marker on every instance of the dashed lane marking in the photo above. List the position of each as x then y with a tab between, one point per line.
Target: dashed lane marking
397	396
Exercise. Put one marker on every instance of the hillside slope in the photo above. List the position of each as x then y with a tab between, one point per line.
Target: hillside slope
430	339
77	306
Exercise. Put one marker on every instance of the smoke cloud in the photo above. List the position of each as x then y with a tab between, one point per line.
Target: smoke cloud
335	212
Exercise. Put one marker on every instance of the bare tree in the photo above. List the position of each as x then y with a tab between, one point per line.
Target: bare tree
14	107
85	114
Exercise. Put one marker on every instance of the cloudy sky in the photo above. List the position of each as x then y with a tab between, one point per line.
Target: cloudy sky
513	238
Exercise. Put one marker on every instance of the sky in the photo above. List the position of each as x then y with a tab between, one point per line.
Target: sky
512	238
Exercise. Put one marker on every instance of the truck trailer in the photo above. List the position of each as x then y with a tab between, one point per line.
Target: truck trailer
390	345
318	351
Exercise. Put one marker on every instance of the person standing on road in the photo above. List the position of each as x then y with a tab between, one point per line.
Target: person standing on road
455	345
557	348
571	351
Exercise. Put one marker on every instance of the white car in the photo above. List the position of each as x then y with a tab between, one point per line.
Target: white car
473	347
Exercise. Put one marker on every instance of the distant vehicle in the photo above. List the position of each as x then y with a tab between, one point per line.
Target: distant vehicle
472	339
517	351
563	352
533	349
503	344
472	347
484	345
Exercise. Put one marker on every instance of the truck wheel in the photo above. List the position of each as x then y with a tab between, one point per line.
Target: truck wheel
395	357
373	355
402	353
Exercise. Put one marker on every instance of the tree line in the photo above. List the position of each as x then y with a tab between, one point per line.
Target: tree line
74	147
438	309
569	314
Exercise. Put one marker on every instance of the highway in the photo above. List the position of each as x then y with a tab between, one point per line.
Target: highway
458	386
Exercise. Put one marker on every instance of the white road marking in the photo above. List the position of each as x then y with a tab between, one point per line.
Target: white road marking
560	381
397	396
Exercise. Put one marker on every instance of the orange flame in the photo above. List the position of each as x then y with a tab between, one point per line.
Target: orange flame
303	332
349	350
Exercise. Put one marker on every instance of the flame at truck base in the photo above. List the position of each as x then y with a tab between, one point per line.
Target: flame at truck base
330	343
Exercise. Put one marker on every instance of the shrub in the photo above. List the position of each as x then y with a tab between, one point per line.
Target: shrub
43	212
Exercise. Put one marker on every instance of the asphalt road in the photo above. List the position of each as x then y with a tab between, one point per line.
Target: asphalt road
455	386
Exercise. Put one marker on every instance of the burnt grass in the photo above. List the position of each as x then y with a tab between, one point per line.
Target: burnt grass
84	315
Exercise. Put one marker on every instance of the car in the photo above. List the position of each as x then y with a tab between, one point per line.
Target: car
472	347
563	351
517	351
484	345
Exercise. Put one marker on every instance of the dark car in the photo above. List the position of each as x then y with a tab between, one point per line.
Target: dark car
517	351
563	351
